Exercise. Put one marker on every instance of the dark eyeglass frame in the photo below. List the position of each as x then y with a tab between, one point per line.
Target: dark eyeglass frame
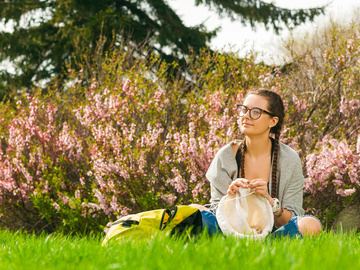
239	106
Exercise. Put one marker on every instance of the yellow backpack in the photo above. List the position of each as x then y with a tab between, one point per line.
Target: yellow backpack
183	218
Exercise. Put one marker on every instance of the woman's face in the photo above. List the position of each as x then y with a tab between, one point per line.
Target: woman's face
260	126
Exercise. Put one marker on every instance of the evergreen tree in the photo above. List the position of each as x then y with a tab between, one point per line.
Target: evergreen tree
56	29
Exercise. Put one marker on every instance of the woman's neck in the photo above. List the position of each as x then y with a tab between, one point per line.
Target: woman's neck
258	146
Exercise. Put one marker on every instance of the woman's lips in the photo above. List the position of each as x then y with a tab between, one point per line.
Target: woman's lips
246	124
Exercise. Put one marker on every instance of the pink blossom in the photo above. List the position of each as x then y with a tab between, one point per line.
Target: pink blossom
346	192
77	194
338	183
169	199
358	144
103	202
178	182
57	207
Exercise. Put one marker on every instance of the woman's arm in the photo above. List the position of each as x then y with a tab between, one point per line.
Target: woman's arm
222	171
281	217
292	194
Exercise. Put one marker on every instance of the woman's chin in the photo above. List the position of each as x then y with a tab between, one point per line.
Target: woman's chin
246	130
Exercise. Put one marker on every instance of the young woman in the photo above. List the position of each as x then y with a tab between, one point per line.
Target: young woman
266	166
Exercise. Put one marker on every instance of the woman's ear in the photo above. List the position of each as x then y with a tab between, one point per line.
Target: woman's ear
274	121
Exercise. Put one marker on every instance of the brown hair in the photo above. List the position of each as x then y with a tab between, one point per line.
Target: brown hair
276	107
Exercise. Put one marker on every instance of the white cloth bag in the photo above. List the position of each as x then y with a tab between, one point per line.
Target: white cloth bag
245	215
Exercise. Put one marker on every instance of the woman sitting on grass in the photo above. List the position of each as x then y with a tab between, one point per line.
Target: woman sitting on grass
266	166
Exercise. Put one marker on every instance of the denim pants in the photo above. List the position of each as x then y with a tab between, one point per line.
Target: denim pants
290	229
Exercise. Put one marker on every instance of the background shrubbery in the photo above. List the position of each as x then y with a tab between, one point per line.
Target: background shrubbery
128	134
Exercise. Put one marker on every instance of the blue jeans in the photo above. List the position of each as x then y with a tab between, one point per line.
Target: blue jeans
290	229
209	222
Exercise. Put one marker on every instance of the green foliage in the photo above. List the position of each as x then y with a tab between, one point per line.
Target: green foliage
249	11
58	32
323	76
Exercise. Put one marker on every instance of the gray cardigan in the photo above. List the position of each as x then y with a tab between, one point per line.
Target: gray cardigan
223	170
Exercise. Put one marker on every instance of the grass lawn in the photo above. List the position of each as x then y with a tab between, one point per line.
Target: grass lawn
328	251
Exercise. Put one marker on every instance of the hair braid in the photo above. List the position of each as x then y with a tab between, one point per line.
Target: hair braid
242	159
274	166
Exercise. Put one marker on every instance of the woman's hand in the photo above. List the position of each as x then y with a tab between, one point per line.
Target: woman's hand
259	187
236	184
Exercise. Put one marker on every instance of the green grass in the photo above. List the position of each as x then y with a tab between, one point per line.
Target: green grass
328	251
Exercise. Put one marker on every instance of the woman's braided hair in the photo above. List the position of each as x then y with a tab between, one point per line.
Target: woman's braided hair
276	107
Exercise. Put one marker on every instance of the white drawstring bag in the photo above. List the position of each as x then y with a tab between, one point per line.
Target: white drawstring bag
245	215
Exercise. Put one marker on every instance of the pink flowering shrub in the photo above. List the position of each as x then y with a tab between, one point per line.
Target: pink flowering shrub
129	134
41	164
335	165
333	173
321	88
124	141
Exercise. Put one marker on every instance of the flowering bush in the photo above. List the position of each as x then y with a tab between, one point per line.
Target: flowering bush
123	141
126	135
322	87
335	163
333	173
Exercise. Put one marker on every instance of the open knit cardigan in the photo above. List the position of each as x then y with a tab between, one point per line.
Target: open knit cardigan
290	180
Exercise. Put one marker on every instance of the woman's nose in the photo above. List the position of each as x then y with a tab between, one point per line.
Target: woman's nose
247	114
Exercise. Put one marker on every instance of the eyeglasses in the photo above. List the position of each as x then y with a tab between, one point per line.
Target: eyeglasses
254	112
